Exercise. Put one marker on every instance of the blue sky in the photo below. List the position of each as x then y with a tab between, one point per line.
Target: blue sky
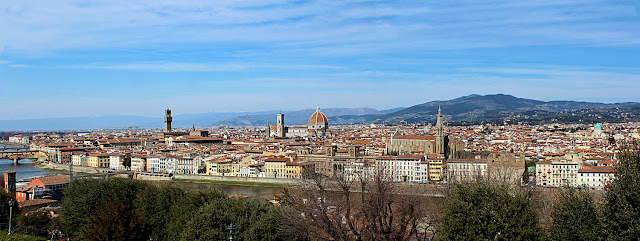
116	57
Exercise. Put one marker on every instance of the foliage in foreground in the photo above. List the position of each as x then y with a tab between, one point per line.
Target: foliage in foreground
38	223
18	237
575	216
622	209
4	206
488	211
123	209
252	218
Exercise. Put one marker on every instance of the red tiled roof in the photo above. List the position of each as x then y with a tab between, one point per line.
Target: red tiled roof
54	180
599	169
276	159
318	117
35	202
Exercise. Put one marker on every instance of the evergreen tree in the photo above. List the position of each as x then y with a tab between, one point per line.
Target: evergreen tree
4	206
488	211
116	222
85	198
575	216
156	202
37	223
253	219
622	210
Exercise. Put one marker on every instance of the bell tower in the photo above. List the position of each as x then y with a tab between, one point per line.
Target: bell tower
167	120
280	122
440	149
267	133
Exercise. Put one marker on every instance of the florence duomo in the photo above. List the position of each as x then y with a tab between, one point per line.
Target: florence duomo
317	126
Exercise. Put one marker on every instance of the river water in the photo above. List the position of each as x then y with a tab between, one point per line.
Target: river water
23	170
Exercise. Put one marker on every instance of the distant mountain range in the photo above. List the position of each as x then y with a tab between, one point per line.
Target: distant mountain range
482	108
300	117
121	122
471	108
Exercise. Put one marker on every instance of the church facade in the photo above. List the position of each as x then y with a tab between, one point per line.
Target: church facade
414	144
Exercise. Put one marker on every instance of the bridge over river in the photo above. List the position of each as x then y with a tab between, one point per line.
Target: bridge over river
16	156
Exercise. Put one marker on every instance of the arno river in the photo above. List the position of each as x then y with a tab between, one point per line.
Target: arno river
23	170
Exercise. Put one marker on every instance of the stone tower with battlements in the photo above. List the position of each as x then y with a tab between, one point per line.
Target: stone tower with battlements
167	120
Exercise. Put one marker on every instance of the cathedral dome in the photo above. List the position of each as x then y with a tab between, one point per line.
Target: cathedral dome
318	118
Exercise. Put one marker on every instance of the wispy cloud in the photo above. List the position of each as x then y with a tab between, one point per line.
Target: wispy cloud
20	66
460	24
159	66
191	67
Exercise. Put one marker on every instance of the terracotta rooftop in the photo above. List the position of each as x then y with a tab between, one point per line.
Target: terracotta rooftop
599	169
35	202
54	180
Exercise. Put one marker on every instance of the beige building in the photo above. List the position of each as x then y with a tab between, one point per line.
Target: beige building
116	161
219	167
79	160
466	170
275	167
543	173
436	169
507	167
559	171
299	170
98	160
138	163
333	162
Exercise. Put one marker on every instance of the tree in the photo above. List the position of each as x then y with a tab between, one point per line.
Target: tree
124	209
254	219
575	216
116	222
85	198
4	206
37	223
156	203
186	208
622	209
127	162
485	210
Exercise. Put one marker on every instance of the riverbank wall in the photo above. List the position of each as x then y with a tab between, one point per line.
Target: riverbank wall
93	170
238	179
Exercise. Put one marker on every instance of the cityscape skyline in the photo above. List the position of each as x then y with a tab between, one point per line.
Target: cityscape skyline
138	58
320	120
